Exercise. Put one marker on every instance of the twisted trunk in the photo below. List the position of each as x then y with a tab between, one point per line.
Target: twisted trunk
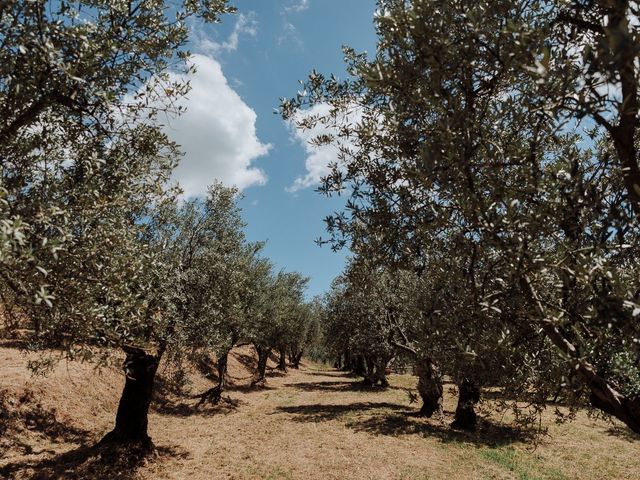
469	395
261	370
359	366
380	374
132	416
296	360
222	369
369	373
429	379
429	386
348	360
282	363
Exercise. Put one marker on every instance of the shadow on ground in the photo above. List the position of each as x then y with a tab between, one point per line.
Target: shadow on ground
24	418
186	405
318	412
87	463
191	407
623	433
487	433
337	386
248	361
376	419
331	373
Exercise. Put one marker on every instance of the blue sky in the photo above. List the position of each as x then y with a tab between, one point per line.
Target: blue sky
245	65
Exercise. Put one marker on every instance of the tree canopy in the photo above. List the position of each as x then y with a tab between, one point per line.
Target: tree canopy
491	136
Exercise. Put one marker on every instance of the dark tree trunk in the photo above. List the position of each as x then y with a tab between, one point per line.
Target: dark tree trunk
369	374
222	370
359	366
469	395
429	386
625	409
261	370
381	374
348	361
296	359
282	363
132	416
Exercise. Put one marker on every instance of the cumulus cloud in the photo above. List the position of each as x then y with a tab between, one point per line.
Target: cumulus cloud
217	133
319	158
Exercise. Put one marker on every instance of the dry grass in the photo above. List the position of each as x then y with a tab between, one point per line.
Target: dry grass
310	424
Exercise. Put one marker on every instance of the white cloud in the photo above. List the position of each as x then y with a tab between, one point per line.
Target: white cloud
298	6
245	25
217	133
319	158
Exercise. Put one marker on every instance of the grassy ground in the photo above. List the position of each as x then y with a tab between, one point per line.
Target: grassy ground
321	424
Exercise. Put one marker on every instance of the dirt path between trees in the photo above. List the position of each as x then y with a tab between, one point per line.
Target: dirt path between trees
315	424
308	424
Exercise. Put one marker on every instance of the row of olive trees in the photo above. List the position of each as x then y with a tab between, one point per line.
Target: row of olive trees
97	252
375	317
216	291
492	149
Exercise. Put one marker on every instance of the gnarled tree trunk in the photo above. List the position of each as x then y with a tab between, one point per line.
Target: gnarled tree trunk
222	369
380	374
429	386
282	363
296	359
359	366
261	370
369	372
132	416
469	395
348	361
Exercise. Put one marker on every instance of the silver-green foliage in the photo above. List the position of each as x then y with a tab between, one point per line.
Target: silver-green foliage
83	160
468	138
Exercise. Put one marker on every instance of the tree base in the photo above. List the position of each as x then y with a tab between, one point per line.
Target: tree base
430	408
467	423
469	395
259	382
140	445
213	395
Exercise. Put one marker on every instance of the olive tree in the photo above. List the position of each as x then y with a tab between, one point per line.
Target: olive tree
83	162
362	313
271	307
303	331
201	247
469	127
